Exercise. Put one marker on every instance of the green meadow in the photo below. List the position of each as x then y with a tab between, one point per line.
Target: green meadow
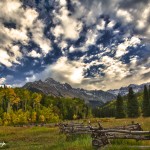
49	138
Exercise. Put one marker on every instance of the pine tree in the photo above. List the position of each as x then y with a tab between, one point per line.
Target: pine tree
132	104
119	107
146	103
149	99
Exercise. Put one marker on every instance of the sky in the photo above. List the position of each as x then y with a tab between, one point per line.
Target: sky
91	44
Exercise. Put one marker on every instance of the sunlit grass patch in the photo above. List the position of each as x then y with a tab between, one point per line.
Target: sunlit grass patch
45	138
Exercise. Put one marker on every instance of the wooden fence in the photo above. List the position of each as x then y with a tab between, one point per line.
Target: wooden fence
102	136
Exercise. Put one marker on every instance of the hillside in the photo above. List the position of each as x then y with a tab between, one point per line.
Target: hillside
109	108
20	106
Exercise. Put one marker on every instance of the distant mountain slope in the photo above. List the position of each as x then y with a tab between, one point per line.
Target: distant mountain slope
52	87
124	90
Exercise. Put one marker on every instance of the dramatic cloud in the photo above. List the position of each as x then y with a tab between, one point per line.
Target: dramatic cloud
63	71
39	38
71	71
117	73
69	26
2	80
111	24
34	54
101	25
129	12
4	58
122	48
90	44
16	22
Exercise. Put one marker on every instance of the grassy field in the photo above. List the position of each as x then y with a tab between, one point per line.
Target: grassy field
44	138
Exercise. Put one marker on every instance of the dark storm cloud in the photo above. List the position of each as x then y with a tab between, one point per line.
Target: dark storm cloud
89	3
127	4
135	12
140	14
145	76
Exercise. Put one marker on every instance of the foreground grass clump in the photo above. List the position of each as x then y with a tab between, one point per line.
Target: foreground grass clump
34	138
45	138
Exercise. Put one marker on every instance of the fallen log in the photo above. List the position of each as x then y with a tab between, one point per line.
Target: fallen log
101	136
122	131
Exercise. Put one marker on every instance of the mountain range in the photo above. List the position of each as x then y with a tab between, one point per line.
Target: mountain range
92	97
57	89
124	90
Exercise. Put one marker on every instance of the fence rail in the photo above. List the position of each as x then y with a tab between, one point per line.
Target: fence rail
102	136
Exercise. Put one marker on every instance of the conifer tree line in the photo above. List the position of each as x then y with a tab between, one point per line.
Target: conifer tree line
133	109
146	101
131	106
20	106
120	113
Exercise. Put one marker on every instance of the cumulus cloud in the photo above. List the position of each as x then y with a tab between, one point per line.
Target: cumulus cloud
114	69
63	70
118	74
110	26
101	25
32	78
122	48
93	12
115	72
125	15
34	54
91	38
63	45
16	22
70	71
128	12
2	80
39	38
5	58
69	26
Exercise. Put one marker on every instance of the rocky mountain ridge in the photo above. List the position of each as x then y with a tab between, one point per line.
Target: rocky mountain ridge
124	90
57	89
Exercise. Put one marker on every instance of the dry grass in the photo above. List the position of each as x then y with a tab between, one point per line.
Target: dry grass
44	138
